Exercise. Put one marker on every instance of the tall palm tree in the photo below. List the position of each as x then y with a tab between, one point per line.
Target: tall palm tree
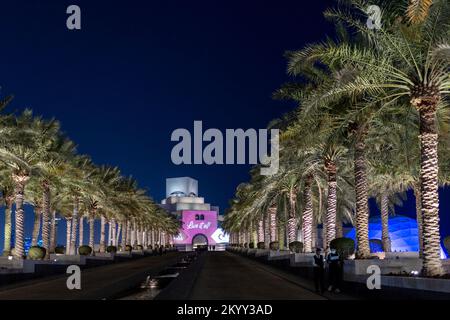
407	63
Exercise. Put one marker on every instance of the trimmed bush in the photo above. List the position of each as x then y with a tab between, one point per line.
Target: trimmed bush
246	245
36	253
111	249
128	248
139	247
274	245
84	250
296	246
261	245
345	247
251	245
60	250
447	243
149	247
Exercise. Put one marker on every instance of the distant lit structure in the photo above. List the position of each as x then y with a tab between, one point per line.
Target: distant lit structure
200	222
402	231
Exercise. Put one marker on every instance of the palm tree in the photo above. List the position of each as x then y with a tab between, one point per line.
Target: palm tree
7	200
406	63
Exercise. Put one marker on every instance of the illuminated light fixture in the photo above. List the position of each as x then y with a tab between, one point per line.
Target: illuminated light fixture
10	257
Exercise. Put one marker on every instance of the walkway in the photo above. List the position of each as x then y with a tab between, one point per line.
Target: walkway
96	283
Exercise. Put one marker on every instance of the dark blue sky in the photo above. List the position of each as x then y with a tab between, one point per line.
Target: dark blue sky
140	69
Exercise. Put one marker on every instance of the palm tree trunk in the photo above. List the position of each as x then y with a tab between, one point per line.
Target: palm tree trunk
68	233
52	244
109	240
46	218
129	232
123	226
419	219
113	228
330	217
8	227
425	99
102	233
20	182
260	230
91	231
362	207
273	224
119	231
307	217
36	226
292	222
81	233
73	239
385	239
138	235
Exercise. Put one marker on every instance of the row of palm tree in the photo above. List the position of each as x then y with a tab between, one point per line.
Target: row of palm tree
372	122
39	166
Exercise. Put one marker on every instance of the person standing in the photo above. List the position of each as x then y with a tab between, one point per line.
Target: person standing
319	266
334	266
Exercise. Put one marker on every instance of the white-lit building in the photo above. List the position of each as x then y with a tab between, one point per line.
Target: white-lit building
200	222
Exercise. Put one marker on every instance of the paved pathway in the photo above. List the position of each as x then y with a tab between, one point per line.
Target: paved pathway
229	276
96	283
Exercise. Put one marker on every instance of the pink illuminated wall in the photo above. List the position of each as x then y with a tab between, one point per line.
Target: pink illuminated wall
192	227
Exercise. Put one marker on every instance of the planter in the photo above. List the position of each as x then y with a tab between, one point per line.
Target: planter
262	252
280	255
387	266
302	259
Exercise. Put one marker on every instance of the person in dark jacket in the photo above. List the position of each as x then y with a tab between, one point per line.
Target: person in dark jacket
319	271
334	271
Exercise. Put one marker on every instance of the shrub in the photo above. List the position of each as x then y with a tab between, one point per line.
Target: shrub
60	250
296	246
261	245
274	245
246	245
251	245
447	243
111	249
139	247
128	248
36	253
344	246
150	247
84	250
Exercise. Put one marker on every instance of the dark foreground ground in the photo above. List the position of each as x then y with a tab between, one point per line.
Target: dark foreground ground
227	276
96	283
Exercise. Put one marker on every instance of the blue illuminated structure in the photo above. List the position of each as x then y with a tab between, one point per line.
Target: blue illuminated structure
402	231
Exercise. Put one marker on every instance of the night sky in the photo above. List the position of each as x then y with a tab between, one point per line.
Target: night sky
137	70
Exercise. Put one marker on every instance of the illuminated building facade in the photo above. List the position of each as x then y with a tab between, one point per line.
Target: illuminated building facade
200	222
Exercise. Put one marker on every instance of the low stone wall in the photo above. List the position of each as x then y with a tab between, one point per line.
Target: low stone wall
262	252
302	259
387	266
279	255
